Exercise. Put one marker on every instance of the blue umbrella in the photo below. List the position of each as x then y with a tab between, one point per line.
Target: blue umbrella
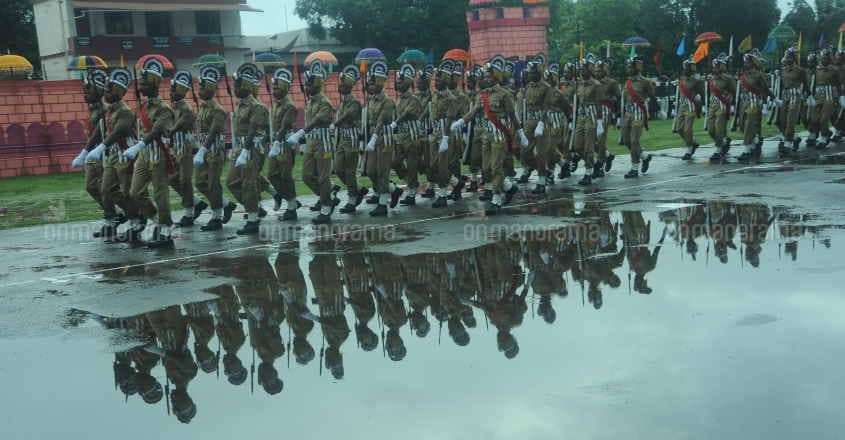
369	54
636	42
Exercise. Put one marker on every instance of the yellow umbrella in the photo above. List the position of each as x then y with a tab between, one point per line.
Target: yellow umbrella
14	67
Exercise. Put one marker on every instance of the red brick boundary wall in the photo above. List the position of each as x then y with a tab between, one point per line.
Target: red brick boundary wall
43	123
507	31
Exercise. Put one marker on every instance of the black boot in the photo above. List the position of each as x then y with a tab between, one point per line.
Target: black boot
199	208
429	193
564	173
539	189
486	195
633	174
132	235
379	211
573	164
810	143
289	215
598	170
509	194
608	164
348	208
783	151
523	179
277	202
745	157
394	197
160	240
250	228
185	222
455	195
360	197
587	180
473	186
316	207
214	224
372	200
492	209
646	164
440	202
121	219
227	212
688	155
409	200
796	143
322	219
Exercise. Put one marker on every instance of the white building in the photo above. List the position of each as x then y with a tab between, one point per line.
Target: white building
181	30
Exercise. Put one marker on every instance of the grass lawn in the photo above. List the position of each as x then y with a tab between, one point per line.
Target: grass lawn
59	198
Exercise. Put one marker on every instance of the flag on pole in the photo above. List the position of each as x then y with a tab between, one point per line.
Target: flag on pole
682	47
839	47
771	45
702	52
800	44
607	52
581	52
122	62
745	45
822	40
730	47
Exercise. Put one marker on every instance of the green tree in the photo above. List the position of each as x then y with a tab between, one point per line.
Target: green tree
830	14
735	17
801	18
390	25
17	30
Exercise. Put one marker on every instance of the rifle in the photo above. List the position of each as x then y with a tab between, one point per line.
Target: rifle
707	104
270	109
675	120
365	122
574	115
232	123
469	138
813	94
138	101
735	122
776	85
622	94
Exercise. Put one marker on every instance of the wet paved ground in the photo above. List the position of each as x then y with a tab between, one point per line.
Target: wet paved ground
697	302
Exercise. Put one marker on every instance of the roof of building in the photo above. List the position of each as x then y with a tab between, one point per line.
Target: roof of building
166	5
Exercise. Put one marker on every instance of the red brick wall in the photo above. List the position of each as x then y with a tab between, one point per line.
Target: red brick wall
42	123
512	35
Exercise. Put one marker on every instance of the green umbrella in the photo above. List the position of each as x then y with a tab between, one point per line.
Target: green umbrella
412	56
210	59
782	32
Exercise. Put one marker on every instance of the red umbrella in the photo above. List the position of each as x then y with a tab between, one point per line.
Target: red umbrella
457	55
708	37
168	66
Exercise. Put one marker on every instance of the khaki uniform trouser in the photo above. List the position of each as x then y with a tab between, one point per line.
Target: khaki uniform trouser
181	180
245	182
456	153
317	170
475	157
440	170
631	131
788	117
401	142
207	180
753	124
556	147
116	182
493	155
601	142
536	156
378	166
717	125
585	139
414	155
346	164
686	127
563	145
94	181
820	116
280	173
155	173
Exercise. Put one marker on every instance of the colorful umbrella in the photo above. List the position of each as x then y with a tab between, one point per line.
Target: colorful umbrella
412	56
211	60
457	55
269	61
168	66
14	67
708	37
325	57
636	42
85	62
369	54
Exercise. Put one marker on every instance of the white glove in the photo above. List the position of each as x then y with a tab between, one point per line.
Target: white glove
458	125
811	101
332	127
96	155
523	140
541	128
199	158
371	145
296	137
78	161
444	144
571	125
132	152
599	127
393	125
842	101
778	102
243	158
619	123
275	149
765	110
697	98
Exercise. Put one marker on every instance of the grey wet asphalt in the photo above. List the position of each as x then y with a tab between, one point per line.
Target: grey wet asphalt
699	301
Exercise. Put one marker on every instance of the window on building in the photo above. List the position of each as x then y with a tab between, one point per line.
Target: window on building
476	15
526	12
208	22
500	13
119	23
83	23
158	24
